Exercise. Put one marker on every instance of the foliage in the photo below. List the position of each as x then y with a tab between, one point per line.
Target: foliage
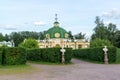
68	55
15	56
12	56
7	38
104	32
100	30
80	36
70	35
99	42
29	43
48	55
16	37
1	51
118	56
112	54
1	37
117	39
112	29
42	35
27	34
96	54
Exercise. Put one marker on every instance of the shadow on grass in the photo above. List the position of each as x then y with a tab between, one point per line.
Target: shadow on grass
48	63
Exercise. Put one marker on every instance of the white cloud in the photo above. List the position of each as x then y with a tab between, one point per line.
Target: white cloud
113	13
39	23
9	27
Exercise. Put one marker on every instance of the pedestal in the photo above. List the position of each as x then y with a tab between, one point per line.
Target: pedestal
105	59
63	59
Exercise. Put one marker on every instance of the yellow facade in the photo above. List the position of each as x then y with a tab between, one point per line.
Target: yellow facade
59	37
76	44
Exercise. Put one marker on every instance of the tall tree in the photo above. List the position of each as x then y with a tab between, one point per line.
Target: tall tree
27	34
117	39
7	37
100	30
16	37
1	37
104	32
111	32
41	35
80	36
70	35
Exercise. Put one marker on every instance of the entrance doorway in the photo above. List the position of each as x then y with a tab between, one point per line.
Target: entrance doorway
57	45
79	46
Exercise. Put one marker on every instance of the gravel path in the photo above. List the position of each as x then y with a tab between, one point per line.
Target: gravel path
80	70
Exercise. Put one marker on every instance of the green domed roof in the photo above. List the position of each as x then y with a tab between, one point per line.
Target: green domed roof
56	32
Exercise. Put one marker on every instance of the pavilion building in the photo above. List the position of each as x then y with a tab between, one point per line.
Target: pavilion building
56	36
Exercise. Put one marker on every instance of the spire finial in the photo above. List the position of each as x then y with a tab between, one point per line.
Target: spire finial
56	23
56	17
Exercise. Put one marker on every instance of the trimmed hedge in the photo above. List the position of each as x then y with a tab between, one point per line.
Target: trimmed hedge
96	54
12	56
49	55
1	50
68	55
15	56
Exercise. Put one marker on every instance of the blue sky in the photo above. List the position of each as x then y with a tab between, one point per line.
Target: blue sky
73	15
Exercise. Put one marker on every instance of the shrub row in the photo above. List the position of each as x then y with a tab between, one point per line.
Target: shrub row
96	54
1	51
49	55
12	56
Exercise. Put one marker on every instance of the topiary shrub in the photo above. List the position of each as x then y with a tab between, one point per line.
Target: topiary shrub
49	55
68	55
15	56
112	53
96	54
1	51
34	54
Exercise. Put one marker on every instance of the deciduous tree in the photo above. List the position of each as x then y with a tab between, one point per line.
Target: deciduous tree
29	43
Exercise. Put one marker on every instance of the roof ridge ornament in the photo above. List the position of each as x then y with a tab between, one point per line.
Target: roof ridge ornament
56	23
56	17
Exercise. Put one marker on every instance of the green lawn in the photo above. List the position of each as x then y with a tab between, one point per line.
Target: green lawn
15	69
118	56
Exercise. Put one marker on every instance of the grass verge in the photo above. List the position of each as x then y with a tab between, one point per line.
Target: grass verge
15	69
47	63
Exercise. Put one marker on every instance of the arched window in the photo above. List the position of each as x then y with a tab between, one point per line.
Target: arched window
79	46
